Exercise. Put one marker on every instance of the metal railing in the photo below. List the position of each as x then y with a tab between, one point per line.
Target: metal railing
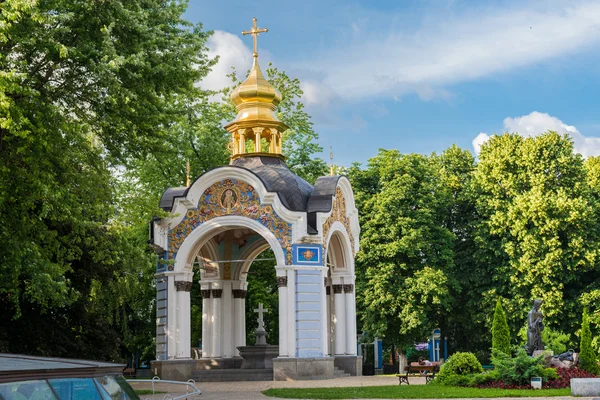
190	388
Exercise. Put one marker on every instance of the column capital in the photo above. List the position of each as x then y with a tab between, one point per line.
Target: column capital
216	293
338	289
239	293
348	288
282	281
183	286
205	293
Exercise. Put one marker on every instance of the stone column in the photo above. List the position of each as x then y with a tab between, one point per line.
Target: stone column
217	308
257	133
324	314
235	145
228	322
183	288
273	141
340	319
291	313
282	283
206	320
350	318
242	142
239	315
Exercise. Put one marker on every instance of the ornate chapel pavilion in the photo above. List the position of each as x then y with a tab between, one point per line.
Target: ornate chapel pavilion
225	219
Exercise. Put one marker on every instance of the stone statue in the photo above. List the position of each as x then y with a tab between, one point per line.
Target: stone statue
535	326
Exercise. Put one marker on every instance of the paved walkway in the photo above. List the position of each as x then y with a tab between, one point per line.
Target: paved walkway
252	390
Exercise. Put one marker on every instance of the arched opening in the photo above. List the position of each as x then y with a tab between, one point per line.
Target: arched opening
233	272
340	306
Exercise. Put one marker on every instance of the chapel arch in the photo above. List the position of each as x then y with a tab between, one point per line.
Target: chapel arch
224	256
341	307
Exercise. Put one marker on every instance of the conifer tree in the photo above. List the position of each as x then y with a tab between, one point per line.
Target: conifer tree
500	331
588	359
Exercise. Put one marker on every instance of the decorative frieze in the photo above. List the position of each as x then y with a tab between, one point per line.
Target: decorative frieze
239	293
183	286
348	288
282	281
337	289
205	294
216	293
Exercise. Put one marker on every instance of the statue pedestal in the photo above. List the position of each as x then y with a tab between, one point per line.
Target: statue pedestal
547	356
258	357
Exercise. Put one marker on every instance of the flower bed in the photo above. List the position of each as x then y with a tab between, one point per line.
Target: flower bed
564	377
562	381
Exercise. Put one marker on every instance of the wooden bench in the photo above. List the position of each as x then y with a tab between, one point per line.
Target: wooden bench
130	372
415	367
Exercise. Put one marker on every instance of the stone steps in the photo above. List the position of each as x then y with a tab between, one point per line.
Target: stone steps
339	373
233	375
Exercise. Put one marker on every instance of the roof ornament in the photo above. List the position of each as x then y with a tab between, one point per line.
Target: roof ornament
255	31
256	130
331	158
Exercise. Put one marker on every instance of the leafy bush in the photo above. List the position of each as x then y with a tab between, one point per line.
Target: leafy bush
520	369
556	341
460	364
588	360
500	330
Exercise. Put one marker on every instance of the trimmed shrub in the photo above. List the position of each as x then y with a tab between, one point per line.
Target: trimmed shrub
520	369
500	330
461	364
588	360
556	341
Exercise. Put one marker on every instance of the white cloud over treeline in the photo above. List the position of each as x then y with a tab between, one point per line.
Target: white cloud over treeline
536	123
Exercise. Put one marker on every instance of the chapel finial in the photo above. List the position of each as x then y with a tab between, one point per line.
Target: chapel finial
256	130
331	158
187	173
255	31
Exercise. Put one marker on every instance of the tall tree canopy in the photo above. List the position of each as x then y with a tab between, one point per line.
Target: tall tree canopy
403	269
100	109
536	233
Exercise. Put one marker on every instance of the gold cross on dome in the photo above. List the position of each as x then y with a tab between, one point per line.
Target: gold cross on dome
254	32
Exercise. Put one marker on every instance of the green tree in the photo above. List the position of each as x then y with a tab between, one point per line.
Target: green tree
535	233
500	330
588	359
85	87
403	268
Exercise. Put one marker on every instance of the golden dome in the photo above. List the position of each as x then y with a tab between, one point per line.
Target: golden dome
256	131
256	98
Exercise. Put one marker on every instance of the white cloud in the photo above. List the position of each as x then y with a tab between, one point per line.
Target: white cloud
479	141
448	49
316	93
232	53
537	123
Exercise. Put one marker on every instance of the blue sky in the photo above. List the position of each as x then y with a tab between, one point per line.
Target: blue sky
419	76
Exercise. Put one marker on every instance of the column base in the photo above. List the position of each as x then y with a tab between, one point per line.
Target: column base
299	369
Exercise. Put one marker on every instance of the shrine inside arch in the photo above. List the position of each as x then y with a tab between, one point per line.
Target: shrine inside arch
229	216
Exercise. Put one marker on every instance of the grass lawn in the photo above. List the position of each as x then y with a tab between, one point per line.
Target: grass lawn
409	392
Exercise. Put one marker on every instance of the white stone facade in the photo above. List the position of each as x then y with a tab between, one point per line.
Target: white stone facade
222	222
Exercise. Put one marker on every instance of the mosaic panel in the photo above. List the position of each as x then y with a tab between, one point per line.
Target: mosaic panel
338	213
232	197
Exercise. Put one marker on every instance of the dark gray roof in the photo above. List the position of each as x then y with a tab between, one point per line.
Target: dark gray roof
168	197
16	367
321	199
293	191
